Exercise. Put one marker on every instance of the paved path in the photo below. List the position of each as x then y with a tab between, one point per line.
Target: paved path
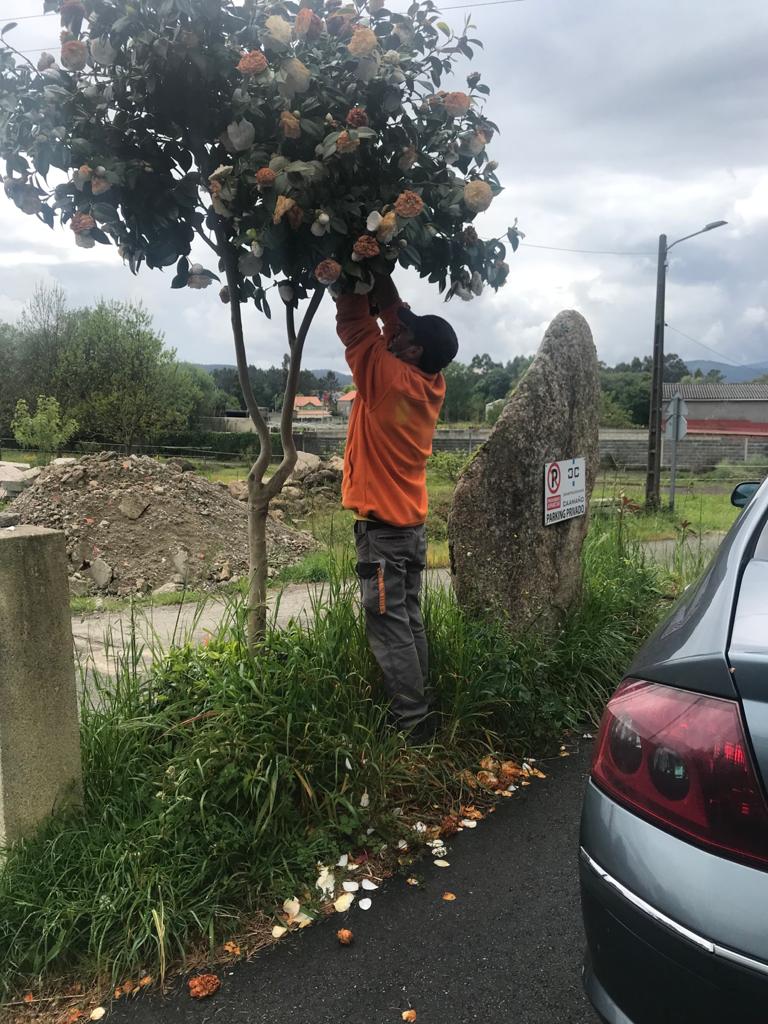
507	951
101	638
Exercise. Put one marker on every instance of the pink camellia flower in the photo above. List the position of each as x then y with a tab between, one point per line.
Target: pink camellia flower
253	63
365	248
328	272
74	55
456	103
363	41
82	222
408	204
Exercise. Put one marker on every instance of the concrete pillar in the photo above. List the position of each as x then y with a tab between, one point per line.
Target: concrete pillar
39	732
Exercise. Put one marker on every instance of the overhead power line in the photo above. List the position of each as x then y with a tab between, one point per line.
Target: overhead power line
709	348
590	252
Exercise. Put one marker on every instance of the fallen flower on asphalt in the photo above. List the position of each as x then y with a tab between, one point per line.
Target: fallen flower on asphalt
411	881
409	1015
201	987
232	948
344	935
98	1013
350	886
441	864
344	902
449	897
326	883
278	931
365	904
449	826
369	885
468	823
472	813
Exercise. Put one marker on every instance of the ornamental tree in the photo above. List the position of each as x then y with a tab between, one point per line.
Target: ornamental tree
305	146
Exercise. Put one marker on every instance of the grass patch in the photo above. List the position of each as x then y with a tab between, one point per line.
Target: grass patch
215	785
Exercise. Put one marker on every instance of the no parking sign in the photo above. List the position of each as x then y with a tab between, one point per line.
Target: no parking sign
565	494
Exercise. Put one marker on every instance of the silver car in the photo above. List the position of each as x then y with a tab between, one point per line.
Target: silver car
674	832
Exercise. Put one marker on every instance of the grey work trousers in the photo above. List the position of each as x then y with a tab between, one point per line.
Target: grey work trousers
390	561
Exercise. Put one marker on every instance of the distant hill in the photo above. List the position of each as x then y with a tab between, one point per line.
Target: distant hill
732	374
343	378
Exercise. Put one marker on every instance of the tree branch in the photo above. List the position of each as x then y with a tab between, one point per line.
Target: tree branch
284	470
290	325
232	274
201	234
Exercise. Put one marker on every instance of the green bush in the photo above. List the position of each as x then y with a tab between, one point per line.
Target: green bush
214	787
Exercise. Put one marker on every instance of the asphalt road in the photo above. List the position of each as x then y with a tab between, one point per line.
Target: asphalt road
506	951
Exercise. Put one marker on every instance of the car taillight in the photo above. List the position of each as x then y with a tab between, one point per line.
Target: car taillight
682	760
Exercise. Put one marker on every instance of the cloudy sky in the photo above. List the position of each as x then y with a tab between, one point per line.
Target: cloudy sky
620	119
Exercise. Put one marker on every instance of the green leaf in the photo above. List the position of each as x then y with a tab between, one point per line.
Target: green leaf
514	238
7	28
180	281
444	28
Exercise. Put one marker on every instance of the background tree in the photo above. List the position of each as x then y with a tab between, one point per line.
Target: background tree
120	382
302	150
45	430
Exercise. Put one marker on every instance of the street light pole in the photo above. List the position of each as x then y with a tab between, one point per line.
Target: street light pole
653	476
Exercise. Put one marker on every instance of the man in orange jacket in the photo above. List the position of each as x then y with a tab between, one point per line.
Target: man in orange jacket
400	392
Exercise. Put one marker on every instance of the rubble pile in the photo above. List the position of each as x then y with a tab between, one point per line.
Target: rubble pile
135	525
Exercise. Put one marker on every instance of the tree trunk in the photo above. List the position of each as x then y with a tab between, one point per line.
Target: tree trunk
260	494
258	510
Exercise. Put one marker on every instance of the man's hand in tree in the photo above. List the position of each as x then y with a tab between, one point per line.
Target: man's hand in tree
384	294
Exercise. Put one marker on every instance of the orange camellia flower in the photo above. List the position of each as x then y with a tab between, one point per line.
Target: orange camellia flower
346	144
82	222
73	55
295	217
290	125
282	206
456	103
366	247
363	41
308	25
328	272
265	177
357	118
253	63
344	935
203	985
408	204
478	196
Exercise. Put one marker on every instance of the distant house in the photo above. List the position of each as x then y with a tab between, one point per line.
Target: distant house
310	409
345	403
723	409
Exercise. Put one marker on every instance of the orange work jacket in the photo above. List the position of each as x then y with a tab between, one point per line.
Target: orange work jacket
392	423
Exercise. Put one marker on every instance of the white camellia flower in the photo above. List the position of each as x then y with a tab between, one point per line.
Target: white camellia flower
257	248
297	78
374	221
241	134
102	51
326	882
391	57
318	229
198	278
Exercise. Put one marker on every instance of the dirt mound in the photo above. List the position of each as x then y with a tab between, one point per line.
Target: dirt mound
134	524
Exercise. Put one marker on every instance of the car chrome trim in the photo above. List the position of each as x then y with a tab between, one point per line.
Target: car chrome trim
636	901
706	944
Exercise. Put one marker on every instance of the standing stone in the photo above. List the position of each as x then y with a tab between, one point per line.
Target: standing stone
504	561
39	733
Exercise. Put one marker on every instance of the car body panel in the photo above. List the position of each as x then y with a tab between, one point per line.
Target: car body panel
748	655
689	648
678	934
720	899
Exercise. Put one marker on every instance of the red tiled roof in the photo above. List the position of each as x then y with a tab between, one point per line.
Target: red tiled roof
741	428
302	401
349	397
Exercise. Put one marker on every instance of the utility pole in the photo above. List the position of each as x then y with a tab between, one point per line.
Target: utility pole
653	478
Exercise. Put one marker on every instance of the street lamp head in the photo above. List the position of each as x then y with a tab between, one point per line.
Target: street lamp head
715	224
